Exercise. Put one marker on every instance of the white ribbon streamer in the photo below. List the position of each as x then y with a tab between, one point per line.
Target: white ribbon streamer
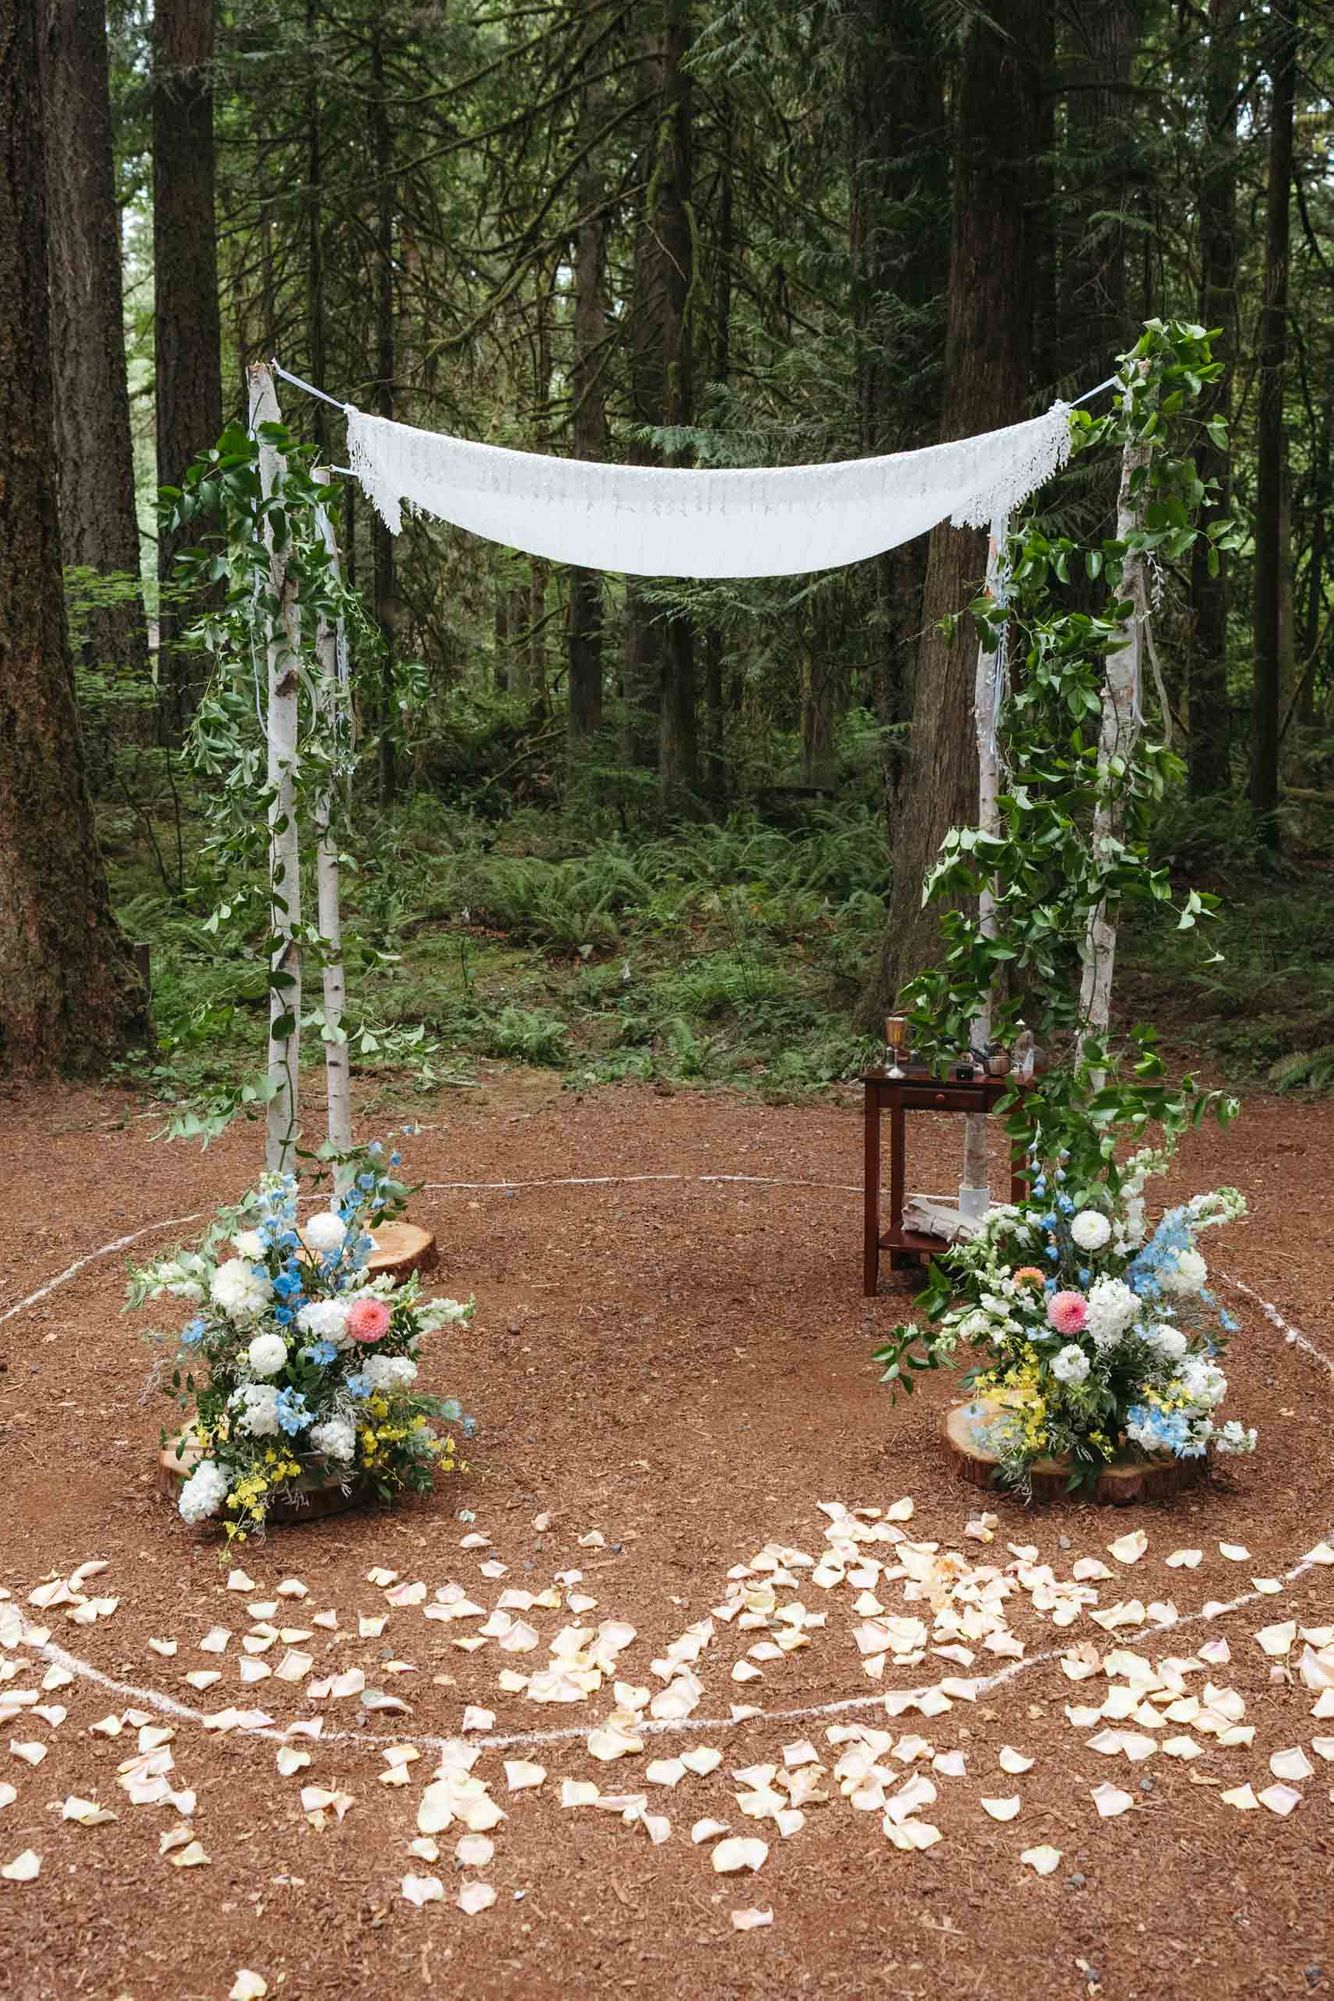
673	522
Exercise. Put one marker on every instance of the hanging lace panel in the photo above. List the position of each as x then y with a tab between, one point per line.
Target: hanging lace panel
670	522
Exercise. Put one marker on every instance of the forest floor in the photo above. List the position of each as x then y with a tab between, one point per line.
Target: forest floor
671	1352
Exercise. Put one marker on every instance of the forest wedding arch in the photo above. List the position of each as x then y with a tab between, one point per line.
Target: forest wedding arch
638	520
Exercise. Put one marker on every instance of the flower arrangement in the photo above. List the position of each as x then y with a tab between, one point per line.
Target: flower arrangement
1099	1340
300	1365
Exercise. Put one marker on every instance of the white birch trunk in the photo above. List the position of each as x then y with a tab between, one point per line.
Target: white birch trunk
333	700
1117	739
974	1188
283	651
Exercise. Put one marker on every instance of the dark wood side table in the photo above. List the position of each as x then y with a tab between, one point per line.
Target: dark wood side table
897	1096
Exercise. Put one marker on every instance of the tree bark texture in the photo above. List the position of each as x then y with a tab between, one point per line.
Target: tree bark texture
1208	730
660	650
187	359
987	352
94	452
1273	352
69	995
588	420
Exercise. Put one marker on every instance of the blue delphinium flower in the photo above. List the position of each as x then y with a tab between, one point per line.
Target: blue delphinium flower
293	1412
320	1352
357	1386
193	1333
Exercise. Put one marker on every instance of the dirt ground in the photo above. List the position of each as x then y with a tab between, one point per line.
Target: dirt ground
681	1365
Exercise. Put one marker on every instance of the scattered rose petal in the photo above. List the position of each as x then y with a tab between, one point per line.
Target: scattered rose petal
1293	1764
739	1851
1280	1799
1235	1552
521	1776
1110	1801
475	1897
192	1856
1013	1761
247	1986
749	1921
1129	1548
421	1890
707	1830
1185	1559
1041	1860
1005	1809
472	1851
24	1868
1241	1797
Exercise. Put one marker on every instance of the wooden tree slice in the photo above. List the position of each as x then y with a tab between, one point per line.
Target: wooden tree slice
401	1248
324	1494
1127	1479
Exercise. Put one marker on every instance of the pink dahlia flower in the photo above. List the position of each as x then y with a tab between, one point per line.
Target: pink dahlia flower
368	1320
1067	1312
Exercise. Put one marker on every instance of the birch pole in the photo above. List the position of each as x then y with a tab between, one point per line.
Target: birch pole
332	700
1117	738
282	643
975	1188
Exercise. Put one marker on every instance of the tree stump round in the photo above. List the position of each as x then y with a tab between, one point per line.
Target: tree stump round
319	1494
1130	1477
401	1248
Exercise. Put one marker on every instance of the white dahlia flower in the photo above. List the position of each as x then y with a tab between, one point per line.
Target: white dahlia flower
1186	1274
204	1492
1091	1230
249	1245
336	1438
1071	1365
1111	1308
1168	1341
324	1232
267	1354
240	1292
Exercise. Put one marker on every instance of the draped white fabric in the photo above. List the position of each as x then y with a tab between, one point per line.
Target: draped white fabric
669	522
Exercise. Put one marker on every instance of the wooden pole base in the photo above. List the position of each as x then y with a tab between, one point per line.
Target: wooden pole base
1127	1479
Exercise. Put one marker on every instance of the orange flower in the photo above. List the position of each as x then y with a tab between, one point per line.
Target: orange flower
1029	1275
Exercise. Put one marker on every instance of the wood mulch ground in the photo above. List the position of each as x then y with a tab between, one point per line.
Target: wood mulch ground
681	1365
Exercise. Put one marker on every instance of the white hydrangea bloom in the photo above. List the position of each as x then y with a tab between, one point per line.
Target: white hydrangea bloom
257	1410
1234	1437
1111	1308
324	1232
325	1320
1071	1365
336	1438
238	1291
389	1372
1187	1274
1090	1230
204	1492
249	1245
1204	1382
267	1354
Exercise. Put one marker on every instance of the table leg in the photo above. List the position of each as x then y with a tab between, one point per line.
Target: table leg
896	1152
871	1194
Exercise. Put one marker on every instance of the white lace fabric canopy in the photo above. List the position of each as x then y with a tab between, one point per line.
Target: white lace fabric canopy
671	522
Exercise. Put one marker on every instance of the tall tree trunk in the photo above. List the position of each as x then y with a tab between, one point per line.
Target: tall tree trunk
315	341
898	227
714	735
987	350
1281	60
69	996
588	419
1094	319
186	335
1208	719
385	583
660	651
94	453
